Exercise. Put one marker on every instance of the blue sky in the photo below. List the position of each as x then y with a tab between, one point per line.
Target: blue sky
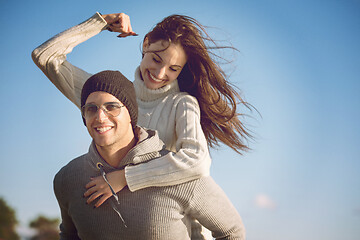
299	65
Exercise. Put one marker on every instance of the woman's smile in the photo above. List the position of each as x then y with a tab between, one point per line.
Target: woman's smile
152	77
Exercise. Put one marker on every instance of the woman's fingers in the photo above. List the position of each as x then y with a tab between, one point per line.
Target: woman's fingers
96	188
93	193
103	198
119	22
89	191
122	35
90	184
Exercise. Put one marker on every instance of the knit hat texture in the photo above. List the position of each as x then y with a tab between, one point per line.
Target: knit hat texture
116	84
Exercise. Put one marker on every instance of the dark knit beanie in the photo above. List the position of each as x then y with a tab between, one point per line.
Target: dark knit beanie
116	84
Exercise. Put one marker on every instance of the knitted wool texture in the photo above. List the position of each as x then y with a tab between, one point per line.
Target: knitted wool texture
116	84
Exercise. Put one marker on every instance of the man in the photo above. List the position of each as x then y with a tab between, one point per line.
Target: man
109	112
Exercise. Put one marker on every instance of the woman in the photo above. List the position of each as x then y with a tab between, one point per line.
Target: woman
181	93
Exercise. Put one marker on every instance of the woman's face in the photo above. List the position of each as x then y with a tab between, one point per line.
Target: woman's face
159	68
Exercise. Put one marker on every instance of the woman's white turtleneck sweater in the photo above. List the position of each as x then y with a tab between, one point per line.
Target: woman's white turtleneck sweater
176	117
174	114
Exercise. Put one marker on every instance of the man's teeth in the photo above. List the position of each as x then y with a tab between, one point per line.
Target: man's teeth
103	129
155	79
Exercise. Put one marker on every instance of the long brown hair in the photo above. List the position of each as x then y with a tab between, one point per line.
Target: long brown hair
203	78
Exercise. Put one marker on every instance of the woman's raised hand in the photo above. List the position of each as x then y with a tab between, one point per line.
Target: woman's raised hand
119	22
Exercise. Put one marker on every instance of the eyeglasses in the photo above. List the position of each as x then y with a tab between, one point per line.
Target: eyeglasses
110	109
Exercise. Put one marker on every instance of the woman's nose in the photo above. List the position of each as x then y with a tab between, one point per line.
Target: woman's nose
161	73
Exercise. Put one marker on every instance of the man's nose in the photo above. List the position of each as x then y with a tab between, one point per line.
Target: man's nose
101	115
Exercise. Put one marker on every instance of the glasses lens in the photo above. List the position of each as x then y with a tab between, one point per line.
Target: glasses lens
113	109
89	110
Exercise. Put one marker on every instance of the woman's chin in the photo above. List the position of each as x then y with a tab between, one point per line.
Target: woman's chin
152	85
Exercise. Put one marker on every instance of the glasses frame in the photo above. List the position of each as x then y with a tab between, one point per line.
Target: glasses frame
103	108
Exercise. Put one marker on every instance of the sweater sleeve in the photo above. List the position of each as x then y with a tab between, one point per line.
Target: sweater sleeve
50	57
191	159
67	227
212	208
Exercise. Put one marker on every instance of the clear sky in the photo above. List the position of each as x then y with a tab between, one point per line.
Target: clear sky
299	65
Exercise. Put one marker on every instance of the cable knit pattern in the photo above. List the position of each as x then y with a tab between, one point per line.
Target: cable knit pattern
151	213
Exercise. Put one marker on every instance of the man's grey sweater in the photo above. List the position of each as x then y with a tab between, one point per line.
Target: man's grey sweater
150	213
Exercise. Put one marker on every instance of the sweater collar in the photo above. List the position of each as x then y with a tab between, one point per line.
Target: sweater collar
148	95
147	148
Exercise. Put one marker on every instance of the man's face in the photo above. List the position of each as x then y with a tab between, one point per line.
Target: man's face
105	129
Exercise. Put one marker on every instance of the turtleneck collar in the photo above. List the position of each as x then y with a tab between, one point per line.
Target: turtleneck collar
148	95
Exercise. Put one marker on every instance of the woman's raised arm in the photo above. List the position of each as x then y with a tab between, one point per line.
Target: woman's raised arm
50	56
